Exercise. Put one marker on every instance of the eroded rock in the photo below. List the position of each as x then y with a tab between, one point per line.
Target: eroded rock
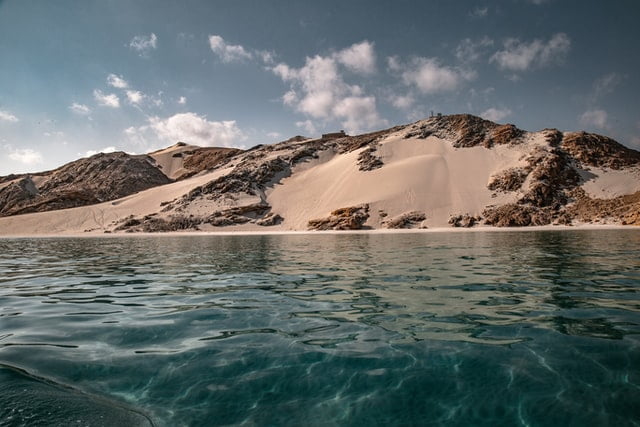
464	221
411	219
350	218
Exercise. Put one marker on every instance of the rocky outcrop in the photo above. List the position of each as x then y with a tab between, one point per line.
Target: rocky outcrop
238	215
622	209
155	224
19	192
596	150
206	158
552	177
516	215
465	130
86	181
254	213
508	180
411	219
368	160
351	218
269	220
464	221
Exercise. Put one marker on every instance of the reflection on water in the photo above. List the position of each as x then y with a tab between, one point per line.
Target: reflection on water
349	329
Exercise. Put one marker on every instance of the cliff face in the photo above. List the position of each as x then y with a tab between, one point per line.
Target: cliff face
457	170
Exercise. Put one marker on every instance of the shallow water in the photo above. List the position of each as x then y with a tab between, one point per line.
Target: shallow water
516	328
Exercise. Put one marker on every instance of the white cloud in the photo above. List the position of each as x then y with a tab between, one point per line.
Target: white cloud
236	53
228	52
26	156
358	112
81	109
274	135
144	44
359	57
595	118
319	90
266	56
111	100
402	102
521	56
469	51
135	97
182	100
495	114
110	149
195	129
429	76
8	117
117	81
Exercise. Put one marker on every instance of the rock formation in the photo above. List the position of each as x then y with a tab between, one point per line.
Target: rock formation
91	180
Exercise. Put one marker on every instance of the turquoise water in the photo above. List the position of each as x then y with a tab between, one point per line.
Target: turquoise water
460	329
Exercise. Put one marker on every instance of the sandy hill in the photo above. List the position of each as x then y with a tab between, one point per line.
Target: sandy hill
457	170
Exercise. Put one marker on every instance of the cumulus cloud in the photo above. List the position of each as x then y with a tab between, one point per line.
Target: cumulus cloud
81	109
195	129
319	90
359	57
26	156
521	56
228	52
117	81
469	50
107	100
182	100
135	97
358	112
595	118
495	114
144	44
6	116
429	76
110	149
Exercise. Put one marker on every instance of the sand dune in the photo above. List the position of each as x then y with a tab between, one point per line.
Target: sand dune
428	167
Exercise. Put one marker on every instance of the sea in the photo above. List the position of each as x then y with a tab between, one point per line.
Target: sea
531	328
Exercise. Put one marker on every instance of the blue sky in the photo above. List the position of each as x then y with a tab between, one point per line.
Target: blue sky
79	77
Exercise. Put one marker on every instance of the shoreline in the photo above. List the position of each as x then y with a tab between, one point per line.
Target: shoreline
377	231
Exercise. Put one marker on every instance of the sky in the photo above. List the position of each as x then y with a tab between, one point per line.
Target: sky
81	77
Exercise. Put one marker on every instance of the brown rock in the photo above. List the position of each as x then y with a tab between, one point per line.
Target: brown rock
406	220
350	218
465	221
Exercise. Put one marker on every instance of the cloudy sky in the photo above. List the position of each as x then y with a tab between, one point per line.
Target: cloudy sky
79	77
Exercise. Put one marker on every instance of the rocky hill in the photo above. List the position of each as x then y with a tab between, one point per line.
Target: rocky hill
445	171
104	177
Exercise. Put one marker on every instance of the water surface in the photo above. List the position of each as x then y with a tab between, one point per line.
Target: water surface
516	328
